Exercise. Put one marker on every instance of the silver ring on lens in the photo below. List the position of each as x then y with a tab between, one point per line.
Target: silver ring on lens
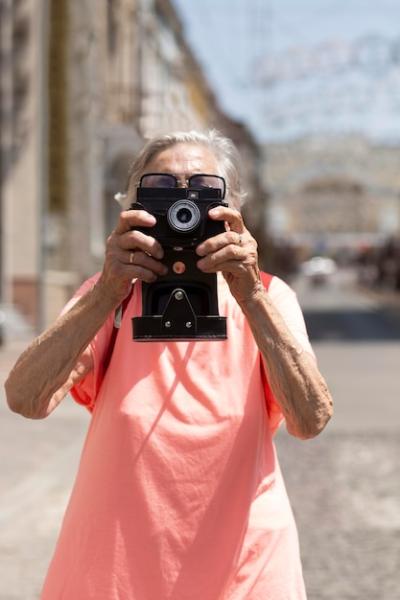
183	216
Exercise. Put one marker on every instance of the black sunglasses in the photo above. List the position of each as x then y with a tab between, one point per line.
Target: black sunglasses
198	181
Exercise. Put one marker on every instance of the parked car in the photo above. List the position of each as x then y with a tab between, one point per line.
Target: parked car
319	269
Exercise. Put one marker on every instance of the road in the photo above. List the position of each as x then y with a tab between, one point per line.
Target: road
344	485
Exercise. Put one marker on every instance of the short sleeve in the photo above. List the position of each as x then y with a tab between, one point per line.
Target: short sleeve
275	415
86	390
285	301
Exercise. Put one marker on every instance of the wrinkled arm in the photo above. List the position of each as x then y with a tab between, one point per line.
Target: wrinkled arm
293	375
59	358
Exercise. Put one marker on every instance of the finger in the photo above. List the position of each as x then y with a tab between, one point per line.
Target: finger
227	253
230	215
219	241
235	267
141	259
143	274
128	272
134	218
131	240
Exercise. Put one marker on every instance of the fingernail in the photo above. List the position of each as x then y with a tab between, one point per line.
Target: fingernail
200	250
214	211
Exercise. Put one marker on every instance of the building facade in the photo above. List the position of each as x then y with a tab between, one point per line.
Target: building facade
22	154
83	85
333	191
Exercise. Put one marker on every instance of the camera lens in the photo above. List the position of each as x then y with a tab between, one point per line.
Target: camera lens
183	216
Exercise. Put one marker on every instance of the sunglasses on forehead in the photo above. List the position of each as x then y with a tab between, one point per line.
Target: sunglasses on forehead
198	181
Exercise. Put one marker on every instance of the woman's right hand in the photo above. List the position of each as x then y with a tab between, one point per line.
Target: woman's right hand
131	254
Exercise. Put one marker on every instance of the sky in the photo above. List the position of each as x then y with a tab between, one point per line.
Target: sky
291	68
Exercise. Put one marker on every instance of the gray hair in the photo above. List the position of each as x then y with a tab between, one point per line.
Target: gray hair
223	148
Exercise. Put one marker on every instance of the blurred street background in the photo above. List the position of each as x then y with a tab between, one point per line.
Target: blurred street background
310	93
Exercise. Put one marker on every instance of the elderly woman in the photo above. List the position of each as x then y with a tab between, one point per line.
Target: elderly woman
179	494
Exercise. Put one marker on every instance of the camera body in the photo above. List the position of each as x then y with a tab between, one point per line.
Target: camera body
183	304
181	213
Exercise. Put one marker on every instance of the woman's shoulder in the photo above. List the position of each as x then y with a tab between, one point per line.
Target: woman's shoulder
277	287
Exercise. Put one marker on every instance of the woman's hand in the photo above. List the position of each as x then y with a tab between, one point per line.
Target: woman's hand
234	253
131	254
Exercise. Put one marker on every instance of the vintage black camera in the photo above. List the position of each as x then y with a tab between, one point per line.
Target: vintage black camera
183	304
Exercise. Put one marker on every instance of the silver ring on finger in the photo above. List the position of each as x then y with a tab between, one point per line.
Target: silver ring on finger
131	258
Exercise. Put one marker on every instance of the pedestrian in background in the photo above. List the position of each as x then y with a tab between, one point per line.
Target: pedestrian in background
179	493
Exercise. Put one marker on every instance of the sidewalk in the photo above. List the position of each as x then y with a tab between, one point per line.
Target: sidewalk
389	300
8	355
39	459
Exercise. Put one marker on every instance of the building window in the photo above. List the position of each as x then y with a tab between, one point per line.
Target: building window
112	25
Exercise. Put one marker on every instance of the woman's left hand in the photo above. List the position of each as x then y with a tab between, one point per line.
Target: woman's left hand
234	253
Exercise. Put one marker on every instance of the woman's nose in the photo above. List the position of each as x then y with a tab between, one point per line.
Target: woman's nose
182	182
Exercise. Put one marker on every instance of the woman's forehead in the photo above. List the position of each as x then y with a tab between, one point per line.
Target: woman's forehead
184	159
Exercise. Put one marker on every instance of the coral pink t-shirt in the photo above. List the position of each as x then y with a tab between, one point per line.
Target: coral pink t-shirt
179	495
